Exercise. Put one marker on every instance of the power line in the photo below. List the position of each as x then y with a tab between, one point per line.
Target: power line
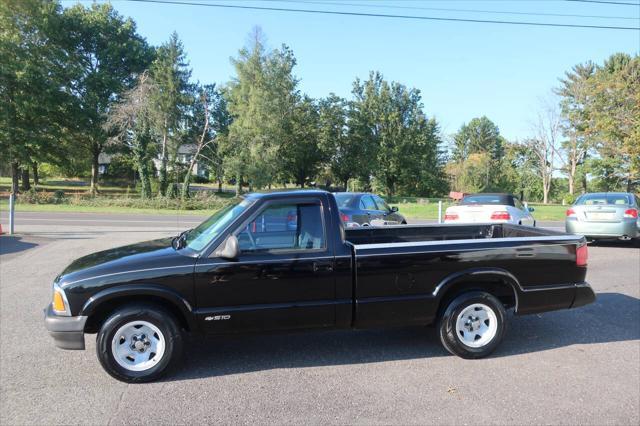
502	12
618	3
380	15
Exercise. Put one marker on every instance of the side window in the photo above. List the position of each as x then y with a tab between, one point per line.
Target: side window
382	205
518	204
366	203
284	227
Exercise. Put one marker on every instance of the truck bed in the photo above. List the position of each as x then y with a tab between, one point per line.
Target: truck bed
436	232
402	272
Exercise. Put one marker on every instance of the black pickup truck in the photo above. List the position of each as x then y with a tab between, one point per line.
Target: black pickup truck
283	261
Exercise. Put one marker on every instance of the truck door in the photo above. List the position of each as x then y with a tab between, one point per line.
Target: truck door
283	277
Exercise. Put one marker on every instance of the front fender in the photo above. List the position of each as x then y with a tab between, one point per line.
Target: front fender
131	290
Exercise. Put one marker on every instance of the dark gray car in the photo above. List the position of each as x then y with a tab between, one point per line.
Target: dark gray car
364	209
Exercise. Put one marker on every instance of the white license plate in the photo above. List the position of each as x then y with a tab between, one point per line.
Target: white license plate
602	216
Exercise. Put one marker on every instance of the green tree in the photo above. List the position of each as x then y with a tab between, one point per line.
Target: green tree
398	144
575	93
171	100
261	99
614	109
480	136
207	123
301	154
36	109
340	151
130	121
110	55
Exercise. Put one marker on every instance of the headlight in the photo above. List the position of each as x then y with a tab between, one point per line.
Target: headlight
59	303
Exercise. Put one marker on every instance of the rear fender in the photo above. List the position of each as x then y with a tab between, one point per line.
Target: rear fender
471	275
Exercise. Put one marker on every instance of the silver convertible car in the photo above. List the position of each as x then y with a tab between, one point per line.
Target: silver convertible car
605	215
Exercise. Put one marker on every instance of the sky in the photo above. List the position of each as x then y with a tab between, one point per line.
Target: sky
463	70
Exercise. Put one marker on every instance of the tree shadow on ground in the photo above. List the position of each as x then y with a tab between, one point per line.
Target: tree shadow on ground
635	243
11	244
612	318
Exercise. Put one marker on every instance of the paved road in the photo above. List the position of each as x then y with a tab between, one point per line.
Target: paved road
569	367
137	220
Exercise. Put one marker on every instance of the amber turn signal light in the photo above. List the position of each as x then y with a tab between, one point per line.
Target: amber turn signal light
58	302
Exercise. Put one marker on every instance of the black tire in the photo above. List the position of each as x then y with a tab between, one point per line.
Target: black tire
158	317
447	328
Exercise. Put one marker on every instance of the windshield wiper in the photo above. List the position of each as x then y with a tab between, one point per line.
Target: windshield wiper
180	241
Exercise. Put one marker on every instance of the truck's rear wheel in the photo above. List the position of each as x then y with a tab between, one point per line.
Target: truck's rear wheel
139	343
472	325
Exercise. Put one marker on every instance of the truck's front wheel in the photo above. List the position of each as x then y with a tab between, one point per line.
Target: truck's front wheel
139	343
472	325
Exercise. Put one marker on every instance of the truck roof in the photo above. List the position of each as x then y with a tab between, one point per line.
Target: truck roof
291	192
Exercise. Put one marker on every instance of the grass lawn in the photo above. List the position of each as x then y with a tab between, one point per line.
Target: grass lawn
4	206
410	210
69	186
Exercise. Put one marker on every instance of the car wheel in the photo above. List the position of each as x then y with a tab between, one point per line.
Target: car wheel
472	325
139	343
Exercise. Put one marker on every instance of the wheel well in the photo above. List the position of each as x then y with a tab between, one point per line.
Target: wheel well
105	309
496	287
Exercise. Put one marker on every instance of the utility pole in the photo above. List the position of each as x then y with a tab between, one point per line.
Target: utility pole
12	208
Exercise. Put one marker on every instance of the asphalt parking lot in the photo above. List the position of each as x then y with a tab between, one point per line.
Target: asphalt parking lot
568	367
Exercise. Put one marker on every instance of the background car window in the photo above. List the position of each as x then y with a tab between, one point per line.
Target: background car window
344	200
382	205
518	204
482	199
284	227
596	199
367	203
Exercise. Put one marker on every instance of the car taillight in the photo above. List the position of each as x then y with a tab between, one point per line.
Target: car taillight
571	213
633	213
500	215
451	216
582	254
345	218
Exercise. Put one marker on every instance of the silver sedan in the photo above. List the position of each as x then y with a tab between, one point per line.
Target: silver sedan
604	215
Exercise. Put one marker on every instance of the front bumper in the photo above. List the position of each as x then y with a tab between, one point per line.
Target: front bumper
627	227
67	332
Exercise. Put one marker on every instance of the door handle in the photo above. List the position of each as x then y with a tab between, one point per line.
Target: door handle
322	267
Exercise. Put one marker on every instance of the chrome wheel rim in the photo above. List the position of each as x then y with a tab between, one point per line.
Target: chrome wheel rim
476	325
138	346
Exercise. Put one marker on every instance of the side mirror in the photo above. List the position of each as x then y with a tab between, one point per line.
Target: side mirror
394	209
229	249
531	209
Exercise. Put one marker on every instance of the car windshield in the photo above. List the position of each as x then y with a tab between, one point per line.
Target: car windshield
344	200
199	237
486	199
599	199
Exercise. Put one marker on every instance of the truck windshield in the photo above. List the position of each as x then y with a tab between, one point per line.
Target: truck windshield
203	234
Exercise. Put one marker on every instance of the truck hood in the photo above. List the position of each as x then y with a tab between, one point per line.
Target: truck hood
148	255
